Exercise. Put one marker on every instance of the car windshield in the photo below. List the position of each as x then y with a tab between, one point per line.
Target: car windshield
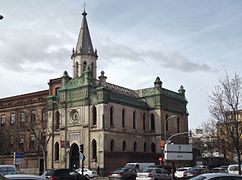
234	168
119	170
147	170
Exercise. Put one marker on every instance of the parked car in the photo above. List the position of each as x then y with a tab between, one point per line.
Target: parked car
153	174
63	174
138	166
23	177
7	169
217	176
192	172
234	169
167	167
123	174
219	170
180	172
87	172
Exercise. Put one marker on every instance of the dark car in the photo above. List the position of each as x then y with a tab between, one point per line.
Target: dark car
63	174
123	174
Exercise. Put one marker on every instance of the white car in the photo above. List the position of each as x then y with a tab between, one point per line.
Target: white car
180	172
153	173
213	176
234	169
87	172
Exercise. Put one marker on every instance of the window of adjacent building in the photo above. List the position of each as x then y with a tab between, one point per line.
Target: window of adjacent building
152	122
21	140
21	143
135	146
94	149
33	116
57	151
3	119
22	117
92	69
111	116
32	138
144	121
145	147
12	118
134	120
123	118
57	120
153	147
178	124
94	115
31	142
11	139
112	145
124	145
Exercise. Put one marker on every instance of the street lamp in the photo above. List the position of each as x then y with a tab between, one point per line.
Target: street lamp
171	117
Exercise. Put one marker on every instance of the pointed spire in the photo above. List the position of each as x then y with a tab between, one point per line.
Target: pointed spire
84	43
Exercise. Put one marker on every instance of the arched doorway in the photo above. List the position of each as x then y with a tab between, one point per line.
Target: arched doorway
74	157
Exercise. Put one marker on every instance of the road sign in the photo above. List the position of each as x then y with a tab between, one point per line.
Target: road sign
178	156
178	152
82	157
178	148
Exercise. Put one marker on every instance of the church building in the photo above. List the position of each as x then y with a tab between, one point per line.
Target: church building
113	124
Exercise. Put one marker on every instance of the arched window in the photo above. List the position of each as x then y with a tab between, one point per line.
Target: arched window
84	66
57	120
135	146
92	69
144	121
153	147
112	145
77	69
123	118
134	120
124	145
94	149
111	116
94	115
145	147
178	124
152	122
56	151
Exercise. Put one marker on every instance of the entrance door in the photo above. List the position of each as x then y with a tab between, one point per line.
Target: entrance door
74	157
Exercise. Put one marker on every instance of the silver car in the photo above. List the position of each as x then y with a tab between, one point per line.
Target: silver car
153	174
24	176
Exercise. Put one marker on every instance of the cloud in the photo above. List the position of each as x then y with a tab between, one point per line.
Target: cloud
174	60
19	48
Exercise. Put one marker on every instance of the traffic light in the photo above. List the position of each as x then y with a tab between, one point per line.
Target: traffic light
81	148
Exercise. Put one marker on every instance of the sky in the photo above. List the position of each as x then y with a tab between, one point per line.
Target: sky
184	42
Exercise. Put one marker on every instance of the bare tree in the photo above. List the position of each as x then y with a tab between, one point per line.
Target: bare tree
225	102
207	142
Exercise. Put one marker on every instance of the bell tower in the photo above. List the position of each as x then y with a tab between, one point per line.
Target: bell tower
84	56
